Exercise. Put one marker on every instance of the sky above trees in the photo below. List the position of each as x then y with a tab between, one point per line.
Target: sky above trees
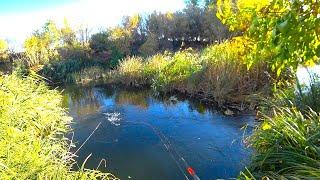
19	18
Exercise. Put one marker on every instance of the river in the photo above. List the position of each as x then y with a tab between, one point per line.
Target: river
145	137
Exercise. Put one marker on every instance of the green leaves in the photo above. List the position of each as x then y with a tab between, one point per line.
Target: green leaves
283	27
288	29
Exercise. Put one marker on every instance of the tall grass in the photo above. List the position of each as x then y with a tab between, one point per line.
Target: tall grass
131	72
154	65
225	74
178	71
220	73
32	128
302	96
287	143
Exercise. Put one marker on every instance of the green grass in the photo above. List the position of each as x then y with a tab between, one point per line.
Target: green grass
131	72
287	143
32	128
287	146
219	73
64	70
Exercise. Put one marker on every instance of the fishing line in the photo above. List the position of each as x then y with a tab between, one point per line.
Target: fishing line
115	120
171	150
87	138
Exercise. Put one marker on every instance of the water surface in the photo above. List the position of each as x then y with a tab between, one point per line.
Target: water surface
128	137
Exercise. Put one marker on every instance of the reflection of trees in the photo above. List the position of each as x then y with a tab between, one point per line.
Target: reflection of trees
193	103
198	106
84	100
137	98
88	100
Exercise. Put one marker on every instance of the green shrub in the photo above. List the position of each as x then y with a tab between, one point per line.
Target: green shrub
221	72
178	70
60	71
302	96
225	75
287	145
131	72
32	128
4	55
154	65
308	96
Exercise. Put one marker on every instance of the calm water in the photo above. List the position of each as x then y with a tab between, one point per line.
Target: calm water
131	123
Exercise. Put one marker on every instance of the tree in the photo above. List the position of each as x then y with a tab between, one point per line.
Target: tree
128	36
68	35
192	2
290	30
151	46
42	45
3	50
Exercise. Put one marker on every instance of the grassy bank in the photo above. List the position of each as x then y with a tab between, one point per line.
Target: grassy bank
219	74
287	141
32	128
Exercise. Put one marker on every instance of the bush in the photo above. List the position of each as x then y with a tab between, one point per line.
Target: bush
287	145
302	96
154	65
222	72
308	95
178	70
59	71
287	141
130	72
32	128
93	74
225	75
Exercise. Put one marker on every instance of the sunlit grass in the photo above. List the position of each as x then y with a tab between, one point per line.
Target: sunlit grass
131	72
287	142
288	147
32	128
219	73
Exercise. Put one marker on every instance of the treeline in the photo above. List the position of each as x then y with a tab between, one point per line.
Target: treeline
194	26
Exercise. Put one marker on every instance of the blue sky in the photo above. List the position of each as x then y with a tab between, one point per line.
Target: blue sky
19	18
15	6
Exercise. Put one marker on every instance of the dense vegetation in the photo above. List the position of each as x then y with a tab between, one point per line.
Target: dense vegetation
218	73
222	52
287	141
32	128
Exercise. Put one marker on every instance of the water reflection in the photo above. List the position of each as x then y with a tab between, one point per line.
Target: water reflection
88	100
207	140
133	97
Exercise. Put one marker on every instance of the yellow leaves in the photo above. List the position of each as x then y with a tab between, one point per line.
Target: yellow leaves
134	22
3	45
311	62
266	126
254	4
170	15
3	49
118	32
239	15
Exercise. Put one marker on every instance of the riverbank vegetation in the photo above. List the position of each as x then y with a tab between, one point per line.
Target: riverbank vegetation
227	53
218	73
32	136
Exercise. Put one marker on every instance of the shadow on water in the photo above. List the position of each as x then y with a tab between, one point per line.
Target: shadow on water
210	142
